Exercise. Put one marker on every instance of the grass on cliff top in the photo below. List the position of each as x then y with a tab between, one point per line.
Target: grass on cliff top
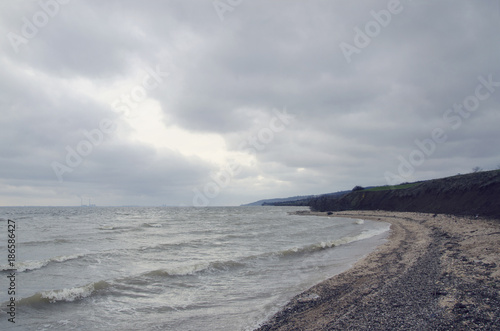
390	188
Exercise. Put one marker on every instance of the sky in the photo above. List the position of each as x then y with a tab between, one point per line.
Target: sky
209	103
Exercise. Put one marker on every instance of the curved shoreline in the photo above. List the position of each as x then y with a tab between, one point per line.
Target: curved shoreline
435	272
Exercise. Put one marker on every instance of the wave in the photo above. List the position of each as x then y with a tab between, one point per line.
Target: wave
110	227
64	295
222	266
191	242
46	242
207	267
330	244
217	266
151	225
139	284
113	227
162	247
34	265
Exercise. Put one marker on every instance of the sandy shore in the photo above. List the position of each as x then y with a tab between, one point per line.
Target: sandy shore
435	272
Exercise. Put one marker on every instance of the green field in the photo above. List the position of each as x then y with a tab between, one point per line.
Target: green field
396	187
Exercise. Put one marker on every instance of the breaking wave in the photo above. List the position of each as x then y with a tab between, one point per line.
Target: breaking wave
330	244
34	265
188	270
222	266
64	295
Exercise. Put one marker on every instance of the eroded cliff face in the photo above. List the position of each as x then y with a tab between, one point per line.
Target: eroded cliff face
472	194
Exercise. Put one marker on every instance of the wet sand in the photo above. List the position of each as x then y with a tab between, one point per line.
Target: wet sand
436	272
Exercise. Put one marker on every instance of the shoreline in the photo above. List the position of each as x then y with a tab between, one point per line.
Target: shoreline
434	272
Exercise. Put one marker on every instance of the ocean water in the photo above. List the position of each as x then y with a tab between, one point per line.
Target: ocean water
128	268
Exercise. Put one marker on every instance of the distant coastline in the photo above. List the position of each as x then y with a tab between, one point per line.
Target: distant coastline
474	194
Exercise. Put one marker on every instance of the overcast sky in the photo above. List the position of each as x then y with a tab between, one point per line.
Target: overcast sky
228	102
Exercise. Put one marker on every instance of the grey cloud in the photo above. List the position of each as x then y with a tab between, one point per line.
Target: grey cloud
353	120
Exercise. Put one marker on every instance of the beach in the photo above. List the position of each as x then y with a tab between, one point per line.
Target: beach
435	272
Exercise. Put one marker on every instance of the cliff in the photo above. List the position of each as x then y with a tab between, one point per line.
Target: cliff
471	194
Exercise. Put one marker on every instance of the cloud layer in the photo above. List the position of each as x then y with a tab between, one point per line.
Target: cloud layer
193	91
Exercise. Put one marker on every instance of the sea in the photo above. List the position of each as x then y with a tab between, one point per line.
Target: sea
167	268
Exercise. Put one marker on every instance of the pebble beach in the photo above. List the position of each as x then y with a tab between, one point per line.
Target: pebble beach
435	272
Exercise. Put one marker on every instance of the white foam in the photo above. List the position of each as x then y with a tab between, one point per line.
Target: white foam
34	265
25	266
363	235
64	295
72	294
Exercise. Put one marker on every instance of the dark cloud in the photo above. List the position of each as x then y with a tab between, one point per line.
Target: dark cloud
354	120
